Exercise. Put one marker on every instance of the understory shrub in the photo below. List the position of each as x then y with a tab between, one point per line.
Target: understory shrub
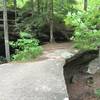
87	40
86	36
26	49
97	93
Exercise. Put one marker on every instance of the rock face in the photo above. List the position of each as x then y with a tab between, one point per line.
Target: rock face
2	48
79	62
60	31
78	80
12	37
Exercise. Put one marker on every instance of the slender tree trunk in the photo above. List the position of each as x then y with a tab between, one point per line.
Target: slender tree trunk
46	5
51	21
51	32
85	4
62	3
32	7
38	6
7	50
99	54
15	6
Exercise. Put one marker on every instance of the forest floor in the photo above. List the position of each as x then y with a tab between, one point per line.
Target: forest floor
79	90
51	47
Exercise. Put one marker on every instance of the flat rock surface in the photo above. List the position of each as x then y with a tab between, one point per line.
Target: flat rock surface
42	80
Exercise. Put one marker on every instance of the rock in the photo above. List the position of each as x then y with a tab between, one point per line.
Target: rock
94	66
79	62
78	81
12	37
42	80
60	31
60	53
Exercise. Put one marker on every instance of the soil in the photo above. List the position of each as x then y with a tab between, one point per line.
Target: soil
67	45
50	47
80	89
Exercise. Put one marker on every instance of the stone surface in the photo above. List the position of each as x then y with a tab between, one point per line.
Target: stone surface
62	53
80	83
42	80
94	66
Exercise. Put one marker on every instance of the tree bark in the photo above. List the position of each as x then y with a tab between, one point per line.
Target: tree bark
32	2
85	4
15	6
38	6
51	21
7	50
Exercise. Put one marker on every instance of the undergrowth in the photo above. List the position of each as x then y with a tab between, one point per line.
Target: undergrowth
26	49
87	34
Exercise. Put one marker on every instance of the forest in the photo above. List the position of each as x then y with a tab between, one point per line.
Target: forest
54	34
41	21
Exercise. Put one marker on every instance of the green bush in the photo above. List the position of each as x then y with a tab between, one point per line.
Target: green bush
86	35
26	49
97	93
87	40
29	23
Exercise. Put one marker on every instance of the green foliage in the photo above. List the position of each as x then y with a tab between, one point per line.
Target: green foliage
93	3
26	49
21	3
86	34
87	40
34	14
2	60
97	93
30	24
40	13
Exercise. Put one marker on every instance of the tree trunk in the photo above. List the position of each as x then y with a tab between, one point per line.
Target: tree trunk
32	7
15	6
7	51
85	5
51	21
38	6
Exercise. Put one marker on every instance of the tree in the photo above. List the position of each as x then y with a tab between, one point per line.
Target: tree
7	51
51	20
38	6
85	5
32	2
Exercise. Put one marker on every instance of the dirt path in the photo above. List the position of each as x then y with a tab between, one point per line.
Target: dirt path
49	48
67	45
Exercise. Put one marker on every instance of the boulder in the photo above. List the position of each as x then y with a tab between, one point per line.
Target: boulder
60	31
